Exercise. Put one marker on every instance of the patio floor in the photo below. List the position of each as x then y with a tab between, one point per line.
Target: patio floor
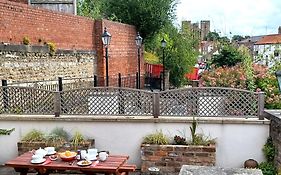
10	171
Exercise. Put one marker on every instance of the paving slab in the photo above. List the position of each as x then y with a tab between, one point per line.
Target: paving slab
205	170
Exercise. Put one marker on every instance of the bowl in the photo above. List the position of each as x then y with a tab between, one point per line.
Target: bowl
68	156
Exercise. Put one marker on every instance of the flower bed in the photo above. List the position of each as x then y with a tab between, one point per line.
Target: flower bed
28	146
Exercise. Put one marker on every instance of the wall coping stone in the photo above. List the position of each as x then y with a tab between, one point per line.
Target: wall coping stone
144	119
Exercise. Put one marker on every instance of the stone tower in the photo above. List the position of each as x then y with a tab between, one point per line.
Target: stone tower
205	28
279	30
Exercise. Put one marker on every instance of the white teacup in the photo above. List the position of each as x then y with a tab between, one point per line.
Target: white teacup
93	152
37	157
103	156
50	150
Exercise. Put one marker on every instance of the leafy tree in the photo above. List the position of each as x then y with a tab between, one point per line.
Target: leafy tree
180	55
248	67
228	56
148	16
212	36
237	38
90	8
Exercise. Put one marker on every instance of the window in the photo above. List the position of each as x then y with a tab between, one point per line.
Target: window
276	53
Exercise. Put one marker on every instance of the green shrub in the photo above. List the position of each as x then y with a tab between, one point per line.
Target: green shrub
25	40
34	136
268	168
269	150
52	47
58	136
77	139
156	138
6	131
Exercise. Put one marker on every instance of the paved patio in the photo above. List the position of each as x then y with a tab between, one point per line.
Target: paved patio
10	171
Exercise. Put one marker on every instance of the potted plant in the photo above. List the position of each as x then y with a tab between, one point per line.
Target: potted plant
57	138
157	150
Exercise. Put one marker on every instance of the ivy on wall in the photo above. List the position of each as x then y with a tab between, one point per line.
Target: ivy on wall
6	131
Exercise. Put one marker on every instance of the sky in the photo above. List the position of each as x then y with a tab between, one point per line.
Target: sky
233	17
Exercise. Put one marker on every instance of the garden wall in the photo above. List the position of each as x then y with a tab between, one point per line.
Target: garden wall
23	66
237	139
70	32
275	130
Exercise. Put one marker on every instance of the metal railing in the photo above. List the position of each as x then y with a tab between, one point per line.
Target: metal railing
129	81
114	101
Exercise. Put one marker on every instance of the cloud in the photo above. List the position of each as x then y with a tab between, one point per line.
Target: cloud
244	17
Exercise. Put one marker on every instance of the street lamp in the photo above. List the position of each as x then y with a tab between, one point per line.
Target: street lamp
139	42
278	76
106	37
163	44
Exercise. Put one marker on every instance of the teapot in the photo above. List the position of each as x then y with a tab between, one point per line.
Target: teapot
41	152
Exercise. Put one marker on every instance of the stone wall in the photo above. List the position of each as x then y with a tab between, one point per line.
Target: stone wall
25	66
170	158
275	133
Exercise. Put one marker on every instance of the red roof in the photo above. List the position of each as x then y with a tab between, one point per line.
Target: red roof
270	39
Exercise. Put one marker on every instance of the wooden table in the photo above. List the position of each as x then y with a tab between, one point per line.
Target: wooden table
111	165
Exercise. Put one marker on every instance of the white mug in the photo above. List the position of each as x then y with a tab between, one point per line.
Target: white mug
83	154
92	152
103	156
50	149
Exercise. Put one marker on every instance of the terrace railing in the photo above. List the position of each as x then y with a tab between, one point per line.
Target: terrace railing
114	101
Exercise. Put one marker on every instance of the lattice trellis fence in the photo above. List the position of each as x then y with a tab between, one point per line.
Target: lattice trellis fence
25	100
112	101
224	102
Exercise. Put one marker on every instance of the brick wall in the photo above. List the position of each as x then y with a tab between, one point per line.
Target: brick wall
66	31
170	158
122	51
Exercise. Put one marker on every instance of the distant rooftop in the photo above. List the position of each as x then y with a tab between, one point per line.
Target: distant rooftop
270	39
252	39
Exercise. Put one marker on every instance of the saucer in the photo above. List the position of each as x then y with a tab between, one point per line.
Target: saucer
91	158
51	153
38	161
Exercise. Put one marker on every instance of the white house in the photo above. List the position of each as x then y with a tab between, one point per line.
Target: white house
267	50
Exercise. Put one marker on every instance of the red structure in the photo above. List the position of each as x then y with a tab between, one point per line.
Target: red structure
193	75
153	70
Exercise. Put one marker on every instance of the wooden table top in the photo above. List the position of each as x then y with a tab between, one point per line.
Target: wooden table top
110	165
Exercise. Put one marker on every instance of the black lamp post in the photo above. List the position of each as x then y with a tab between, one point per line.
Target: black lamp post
139	43
163	44
278	76
106	37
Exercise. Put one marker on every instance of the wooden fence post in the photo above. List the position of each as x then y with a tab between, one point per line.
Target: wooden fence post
57	104
156	108
261	97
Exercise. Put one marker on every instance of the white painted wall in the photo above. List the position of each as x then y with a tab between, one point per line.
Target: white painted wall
266	55
237	140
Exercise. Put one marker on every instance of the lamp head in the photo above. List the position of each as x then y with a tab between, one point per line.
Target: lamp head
106	37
